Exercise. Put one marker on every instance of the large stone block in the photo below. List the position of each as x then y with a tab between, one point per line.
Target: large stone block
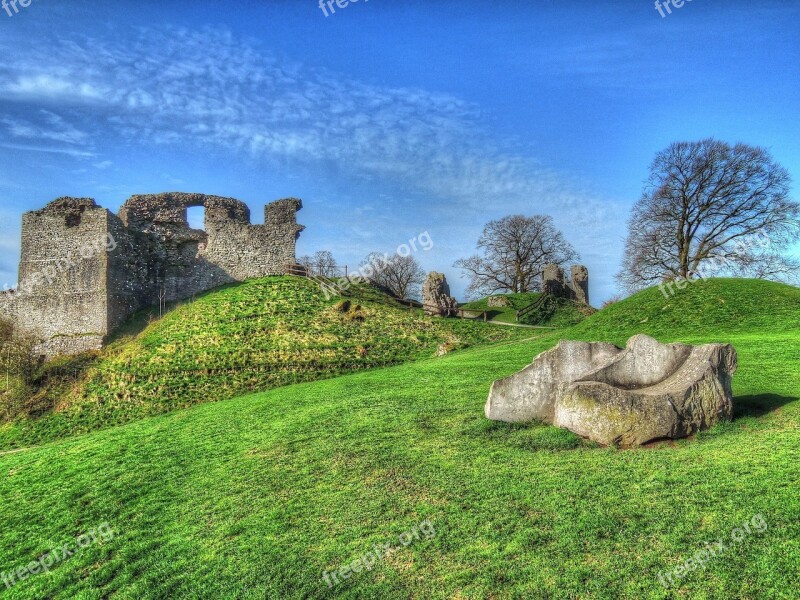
532	393
436	298
646	392
497	302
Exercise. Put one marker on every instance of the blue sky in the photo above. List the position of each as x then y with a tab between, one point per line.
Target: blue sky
387	118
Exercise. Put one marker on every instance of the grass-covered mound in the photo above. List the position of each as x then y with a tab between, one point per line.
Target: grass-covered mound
255	497
709	307
552	311
557	313
242	338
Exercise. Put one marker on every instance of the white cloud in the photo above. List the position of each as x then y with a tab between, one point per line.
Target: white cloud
167	86
177	87
51	127
51	86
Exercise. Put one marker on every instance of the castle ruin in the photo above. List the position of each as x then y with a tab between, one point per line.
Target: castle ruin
84	270
554	282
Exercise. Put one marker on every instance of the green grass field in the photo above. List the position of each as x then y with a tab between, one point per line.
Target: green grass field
257	496
563	313
242	338
505	314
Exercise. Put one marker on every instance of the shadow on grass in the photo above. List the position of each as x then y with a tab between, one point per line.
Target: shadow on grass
138	321
758	406
533	436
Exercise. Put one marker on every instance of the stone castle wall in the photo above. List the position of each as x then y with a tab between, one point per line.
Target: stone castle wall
85	270
61	296
555	283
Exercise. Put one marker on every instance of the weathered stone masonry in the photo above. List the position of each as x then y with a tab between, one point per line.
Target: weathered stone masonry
100	268
554	282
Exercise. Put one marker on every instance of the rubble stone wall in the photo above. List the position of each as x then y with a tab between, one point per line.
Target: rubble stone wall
84	270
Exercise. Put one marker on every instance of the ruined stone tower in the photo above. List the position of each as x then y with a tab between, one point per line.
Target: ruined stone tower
579	282
554	282
84	270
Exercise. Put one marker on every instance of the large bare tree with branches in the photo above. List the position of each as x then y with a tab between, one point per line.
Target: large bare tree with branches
706	203
513	252
399	275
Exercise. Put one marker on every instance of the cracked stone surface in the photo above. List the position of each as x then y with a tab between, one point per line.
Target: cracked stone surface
646	392
436	298
76	286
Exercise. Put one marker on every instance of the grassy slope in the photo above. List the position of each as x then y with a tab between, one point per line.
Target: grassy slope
506	314
243	338
705	308
254	497
568	313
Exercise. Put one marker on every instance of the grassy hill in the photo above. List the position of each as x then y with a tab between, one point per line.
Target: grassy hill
562	312
706	308
256	496
249	337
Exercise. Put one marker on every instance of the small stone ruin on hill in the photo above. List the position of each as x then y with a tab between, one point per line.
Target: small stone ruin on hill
554	283
436	298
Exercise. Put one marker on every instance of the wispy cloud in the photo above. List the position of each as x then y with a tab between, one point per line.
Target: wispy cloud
210	87
49	150
176	86
50	127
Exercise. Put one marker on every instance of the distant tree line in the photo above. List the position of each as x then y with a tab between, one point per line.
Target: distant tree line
400	276
702	207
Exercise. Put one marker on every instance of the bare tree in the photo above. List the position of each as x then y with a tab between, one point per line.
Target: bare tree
706	202
513	252
321	264
399	275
